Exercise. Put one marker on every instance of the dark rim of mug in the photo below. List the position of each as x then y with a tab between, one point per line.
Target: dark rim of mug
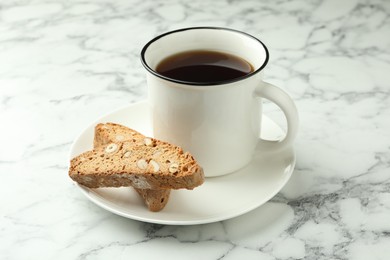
213	83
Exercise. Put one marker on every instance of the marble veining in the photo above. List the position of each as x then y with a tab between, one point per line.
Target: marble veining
65	63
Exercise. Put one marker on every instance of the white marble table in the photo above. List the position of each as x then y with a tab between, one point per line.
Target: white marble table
65	63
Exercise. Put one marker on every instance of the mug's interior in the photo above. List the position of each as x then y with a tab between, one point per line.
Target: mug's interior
213	39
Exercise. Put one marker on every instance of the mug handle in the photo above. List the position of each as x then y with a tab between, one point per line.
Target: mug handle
286	104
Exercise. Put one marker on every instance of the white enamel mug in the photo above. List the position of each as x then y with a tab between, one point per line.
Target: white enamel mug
219	122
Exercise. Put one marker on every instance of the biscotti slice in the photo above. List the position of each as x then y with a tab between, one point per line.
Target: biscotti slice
155	200
151	165
107	133
112	133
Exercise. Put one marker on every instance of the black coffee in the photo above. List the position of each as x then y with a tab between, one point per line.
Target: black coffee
203	66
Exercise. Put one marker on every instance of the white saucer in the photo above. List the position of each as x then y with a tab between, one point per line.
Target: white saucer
219	198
